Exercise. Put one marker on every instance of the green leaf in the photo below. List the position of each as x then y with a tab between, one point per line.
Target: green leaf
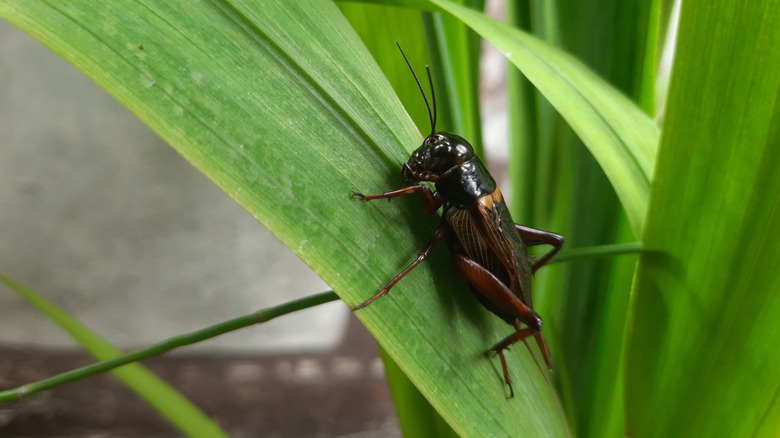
621	138
586	303
416	416
703	357
281	105
169	402
524	129
455	53
380	28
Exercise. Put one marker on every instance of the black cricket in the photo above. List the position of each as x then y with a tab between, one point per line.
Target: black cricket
485	245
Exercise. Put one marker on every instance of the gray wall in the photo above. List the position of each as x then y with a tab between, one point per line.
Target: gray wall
100	216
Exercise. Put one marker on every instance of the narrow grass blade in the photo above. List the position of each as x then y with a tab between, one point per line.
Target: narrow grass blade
104	365
455	51
169	402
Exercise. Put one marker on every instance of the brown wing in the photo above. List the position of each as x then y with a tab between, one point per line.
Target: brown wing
487	234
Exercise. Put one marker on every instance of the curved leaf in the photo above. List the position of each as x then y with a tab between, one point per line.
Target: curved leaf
703	356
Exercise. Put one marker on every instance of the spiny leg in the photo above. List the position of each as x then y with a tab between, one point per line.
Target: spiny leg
437	235
539	336
499	348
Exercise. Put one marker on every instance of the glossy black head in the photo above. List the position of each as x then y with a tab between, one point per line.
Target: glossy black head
440	152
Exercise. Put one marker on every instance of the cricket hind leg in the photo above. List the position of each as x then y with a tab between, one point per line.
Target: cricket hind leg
522	334
506	305
499	348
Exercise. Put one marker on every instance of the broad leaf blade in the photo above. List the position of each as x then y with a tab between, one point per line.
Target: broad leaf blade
703	358
281	105
380	28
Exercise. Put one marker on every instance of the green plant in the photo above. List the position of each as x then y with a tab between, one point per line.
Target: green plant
641	345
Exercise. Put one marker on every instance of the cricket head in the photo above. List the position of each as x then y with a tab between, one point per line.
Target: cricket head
439	152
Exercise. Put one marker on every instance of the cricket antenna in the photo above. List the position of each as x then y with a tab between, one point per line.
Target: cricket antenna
431	115
433	97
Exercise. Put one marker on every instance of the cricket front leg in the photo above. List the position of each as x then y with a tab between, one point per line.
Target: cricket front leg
431	201
533	237
437	235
